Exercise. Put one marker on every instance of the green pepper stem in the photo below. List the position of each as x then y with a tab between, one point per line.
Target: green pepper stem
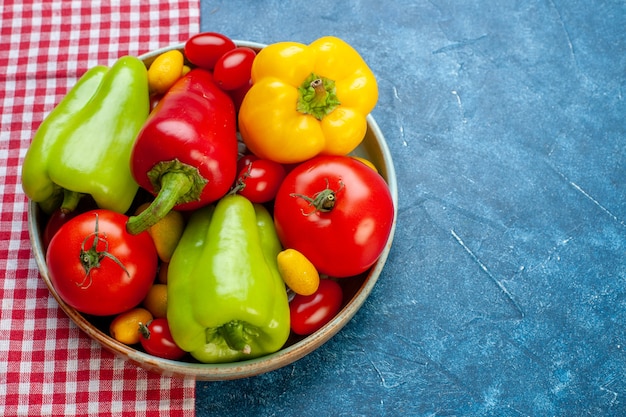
236	334
70	201
174	185
52	203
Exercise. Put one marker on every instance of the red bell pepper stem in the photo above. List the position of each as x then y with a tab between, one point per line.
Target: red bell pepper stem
186	152
174	185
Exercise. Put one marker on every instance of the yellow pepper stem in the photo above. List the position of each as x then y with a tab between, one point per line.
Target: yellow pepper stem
317	96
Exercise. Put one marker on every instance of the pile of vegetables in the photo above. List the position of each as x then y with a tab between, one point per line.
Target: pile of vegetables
206	203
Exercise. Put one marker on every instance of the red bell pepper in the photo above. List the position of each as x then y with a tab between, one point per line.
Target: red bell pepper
186	152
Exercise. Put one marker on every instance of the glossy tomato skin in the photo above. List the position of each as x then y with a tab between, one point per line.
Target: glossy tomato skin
347	239
238	94
308	313
158	340
57	219
245	160
233	69
108	289
205	49
260	180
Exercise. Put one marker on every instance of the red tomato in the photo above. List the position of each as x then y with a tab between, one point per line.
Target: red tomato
239	93
245	160
57	219
105	276
308	313
260	179
233	69
337	211
157	340
204	49
154	100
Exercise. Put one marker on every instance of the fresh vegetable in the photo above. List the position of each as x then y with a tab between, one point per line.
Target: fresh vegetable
245	160
97	267
298	272
165	70
84	145
238	94
162	273
366	162
60	216
205	49
307	100
156	300
186	152
232	70
215	281
156	339
337	211
57	219
125	326
259	180
309	313
226	300
166	232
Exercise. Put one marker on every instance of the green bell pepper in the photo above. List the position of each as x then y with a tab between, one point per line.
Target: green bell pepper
226	300
83	146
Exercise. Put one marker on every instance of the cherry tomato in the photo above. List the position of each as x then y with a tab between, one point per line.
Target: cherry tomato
154	100
205	49
99	268
245	160
125	327
157	340
308	313
232	70
337	212
260	179
239	93
57	219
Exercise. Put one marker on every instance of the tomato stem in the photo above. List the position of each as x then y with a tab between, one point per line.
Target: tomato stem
322	201
241	181
91	258
144	331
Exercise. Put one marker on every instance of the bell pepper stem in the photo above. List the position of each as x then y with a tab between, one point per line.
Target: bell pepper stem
237	335
70	201
173	185
52	203
317	96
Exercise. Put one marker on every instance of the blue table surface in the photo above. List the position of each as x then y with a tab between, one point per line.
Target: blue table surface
504	293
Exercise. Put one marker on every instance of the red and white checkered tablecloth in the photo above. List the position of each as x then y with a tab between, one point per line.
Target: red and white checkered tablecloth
48	367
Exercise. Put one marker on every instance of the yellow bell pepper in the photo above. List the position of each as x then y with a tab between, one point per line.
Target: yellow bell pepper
307	100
